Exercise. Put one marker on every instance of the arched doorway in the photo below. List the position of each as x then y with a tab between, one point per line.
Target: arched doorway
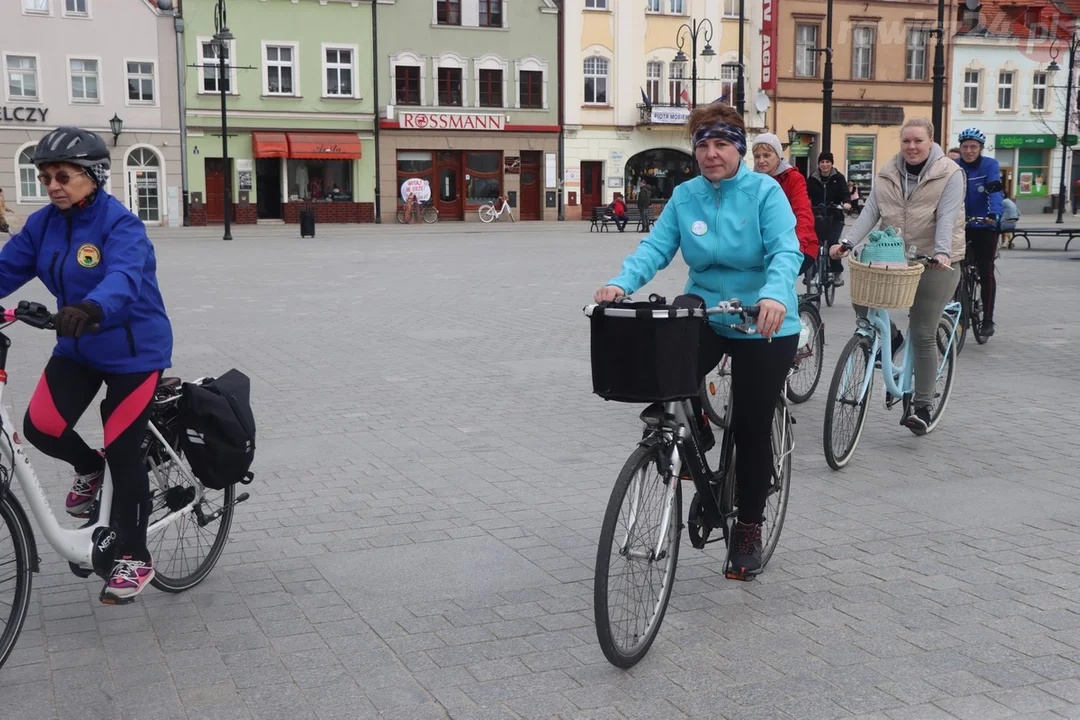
662	168
144	184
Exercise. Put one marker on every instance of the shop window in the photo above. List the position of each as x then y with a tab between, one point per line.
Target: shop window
662	169
319	180
414	164
1032	173
483	171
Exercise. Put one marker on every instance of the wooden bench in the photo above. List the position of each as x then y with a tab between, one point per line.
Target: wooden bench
601	218
1022	233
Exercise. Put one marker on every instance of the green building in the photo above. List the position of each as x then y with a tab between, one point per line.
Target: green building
301	111
468	104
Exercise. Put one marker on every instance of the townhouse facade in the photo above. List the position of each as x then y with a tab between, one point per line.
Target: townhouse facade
627	97
468	105
116	74
300	109
883	55
1011	65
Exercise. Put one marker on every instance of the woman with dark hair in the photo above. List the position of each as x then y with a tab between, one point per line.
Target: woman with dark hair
736	231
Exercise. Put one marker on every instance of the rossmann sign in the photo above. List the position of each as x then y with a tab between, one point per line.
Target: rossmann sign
451	121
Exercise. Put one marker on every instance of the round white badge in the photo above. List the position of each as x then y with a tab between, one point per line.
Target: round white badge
699	228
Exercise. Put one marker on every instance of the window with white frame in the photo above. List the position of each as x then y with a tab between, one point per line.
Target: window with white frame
972	84
77	8
806	39
596	4
1039	82
862	52
1006	79
677	7
731	8
917	40
280	69
676	76
84	80
653	6
729	81
36	7
532	83
209	70
140	82
490	75
339	71
596	80
654	74
408	79
29	189
452	80
22	79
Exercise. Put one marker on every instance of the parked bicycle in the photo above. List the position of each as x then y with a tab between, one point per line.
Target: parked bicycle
188	525
489	213
642	527
420	210
969	295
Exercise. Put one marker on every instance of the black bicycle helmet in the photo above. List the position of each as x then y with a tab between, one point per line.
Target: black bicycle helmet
72	145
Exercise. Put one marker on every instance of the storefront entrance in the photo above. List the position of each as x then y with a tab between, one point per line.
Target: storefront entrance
461	180
592	187
144	185
268	183
215	190
663	169
531	190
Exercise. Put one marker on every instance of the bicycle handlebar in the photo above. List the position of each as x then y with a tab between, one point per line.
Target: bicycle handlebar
37	316
849	246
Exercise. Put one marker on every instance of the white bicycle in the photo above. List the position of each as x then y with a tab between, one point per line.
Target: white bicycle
198	517
488	213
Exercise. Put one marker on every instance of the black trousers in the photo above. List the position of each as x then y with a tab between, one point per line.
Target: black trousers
63	394
759	370
982	247
829	230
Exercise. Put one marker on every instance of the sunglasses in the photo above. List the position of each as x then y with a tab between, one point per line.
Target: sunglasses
63	177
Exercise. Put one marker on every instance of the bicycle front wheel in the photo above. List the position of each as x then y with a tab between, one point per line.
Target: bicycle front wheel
486	213
430	214
830	294
401	216
946	345
961	296
808	358
715	392
636	558
15	574
845	408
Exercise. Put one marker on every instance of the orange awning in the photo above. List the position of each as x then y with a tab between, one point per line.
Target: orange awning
329	146
270	145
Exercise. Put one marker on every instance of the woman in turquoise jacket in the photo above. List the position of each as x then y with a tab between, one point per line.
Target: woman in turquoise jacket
736	231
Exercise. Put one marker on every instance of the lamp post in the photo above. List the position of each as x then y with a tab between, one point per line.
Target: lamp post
222	36
827	82
939	73
1054	67
740	88
693	30
117	127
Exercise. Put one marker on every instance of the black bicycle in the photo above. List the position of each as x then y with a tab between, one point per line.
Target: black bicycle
969	295
820	280
639	538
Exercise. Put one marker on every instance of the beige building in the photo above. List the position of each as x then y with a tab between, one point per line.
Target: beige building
86	63
625	107
883	57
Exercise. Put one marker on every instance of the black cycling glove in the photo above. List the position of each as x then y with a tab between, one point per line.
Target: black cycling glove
73	320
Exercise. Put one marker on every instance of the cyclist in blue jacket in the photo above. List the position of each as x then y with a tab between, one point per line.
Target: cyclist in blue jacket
94	256
983	200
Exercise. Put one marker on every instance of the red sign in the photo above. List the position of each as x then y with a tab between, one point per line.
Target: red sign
768	44
451	121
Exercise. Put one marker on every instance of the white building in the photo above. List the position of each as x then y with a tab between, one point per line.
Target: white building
1006	85
85	62
620	53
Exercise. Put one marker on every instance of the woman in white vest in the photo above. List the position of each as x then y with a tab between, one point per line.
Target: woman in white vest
920	192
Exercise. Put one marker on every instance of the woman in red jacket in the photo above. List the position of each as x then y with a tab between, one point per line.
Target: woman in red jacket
769	159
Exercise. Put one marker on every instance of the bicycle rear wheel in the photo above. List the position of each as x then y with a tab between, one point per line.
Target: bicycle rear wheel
830	294
633	581
430	214
975	300
401	216
808	358
845	408
715	392
486	213
15	574
186	550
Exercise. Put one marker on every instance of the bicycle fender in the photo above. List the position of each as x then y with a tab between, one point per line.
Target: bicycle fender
21	517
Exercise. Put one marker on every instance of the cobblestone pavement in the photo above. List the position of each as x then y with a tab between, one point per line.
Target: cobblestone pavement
432	472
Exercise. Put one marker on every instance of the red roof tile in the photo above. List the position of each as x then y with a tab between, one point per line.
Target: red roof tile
1036	20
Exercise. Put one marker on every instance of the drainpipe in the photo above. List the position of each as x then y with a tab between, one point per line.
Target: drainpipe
375	93
560	167
181	81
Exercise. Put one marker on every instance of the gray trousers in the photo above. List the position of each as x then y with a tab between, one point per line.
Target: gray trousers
936	288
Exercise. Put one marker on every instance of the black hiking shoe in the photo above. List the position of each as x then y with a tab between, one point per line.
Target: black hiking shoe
987	328
745	558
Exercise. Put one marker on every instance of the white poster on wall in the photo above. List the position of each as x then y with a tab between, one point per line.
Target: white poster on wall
550	174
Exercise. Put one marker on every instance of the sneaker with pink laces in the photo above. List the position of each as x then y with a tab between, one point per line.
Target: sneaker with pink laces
129	577
83	492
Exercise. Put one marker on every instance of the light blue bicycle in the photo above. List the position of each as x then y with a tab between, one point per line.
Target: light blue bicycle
853	380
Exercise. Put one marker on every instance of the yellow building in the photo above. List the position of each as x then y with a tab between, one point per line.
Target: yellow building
883	58
623	92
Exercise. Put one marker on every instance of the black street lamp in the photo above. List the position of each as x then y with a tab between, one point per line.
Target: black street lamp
1054	67
222	36
938	108
827	82
740	89
695	28
117	127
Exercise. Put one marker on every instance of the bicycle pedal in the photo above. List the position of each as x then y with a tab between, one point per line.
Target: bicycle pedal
79	571
107	599
742	575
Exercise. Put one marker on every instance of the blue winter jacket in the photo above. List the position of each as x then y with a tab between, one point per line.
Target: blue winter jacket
738	237
978	202
99	253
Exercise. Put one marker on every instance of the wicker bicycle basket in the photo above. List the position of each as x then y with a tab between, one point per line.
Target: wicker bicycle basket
890	288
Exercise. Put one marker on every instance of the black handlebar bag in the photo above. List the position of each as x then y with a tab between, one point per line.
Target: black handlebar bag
218	429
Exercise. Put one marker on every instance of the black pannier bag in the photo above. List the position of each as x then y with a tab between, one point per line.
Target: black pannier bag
644	352
217	429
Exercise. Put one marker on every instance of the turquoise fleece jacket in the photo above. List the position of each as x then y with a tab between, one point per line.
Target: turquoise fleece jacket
737	236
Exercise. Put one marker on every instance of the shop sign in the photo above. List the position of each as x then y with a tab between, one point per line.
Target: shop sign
23	114
672	115
768	44
451	121
1030	141
867	115
418	186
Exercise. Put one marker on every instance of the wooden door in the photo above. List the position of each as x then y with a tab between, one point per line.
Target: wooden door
592	187
531	200
447	193
215	190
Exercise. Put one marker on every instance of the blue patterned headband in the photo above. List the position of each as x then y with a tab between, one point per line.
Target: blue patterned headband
723	131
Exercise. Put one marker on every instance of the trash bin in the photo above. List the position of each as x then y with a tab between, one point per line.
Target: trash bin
307	223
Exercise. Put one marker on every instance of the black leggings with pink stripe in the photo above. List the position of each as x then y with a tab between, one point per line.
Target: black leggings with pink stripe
64	392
